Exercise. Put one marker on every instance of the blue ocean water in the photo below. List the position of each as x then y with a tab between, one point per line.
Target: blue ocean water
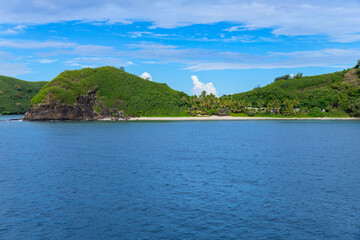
180	180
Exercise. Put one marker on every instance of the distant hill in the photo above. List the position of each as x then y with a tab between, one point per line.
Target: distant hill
15	94
105	92
339	91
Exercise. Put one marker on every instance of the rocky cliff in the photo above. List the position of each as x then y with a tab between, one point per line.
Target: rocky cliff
82	109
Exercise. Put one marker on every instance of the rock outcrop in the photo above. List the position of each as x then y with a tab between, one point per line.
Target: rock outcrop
83	109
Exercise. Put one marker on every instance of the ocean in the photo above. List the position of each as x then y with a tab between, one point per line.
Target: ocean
265	179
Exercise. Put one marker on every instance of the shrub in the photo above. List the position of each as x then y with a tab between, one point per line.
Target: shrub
315	112
250	113
285	77
354	108
358	64
298	75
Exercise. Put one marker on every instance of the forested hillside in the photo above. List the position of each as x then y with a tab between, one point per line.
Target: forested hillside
15	94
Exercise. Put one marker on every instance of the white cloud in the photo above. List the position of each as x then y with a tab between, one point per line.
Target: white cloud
195	59
292	18
13	69
139	34
199	87
97	62
46	61
15	30
337	58
25	44
146	76
74	64
237	29
20	27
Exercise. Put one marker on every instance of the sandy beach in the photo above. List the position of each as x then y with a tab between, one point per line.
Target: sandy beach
228	118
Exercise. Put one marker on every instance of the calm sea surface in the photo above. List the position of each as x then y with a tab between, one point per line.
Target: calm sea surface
180	180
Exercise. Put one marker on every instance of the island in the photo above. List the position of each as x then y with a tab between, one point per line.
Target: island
110	93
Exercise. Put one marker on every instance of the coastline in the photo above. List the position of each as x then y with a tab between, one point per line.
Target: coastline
210	118
230	118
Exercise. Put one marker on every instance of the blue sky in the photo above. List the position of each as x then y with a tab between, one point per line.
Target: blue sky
230	46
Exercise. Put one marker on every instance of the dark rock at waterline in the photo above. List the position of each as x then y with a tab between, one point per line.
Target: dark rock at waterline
83	109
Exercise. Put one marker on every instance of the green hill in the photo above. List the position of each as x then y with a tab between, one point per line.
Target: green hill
335	92
15	94
104	92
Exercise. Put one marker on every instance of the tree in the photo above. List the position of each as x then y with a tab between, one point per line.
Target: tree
358	64
269	107
296	102
275	106
122	68
260	103
183	99
298	75
354	108
315	112
288	108
285	77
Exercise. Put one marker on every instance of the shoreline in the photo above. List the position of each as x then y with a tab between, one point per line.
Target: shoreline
230	118
206	118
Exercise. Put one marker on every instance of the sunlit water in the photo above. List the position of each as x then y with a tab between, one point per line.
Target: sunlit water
180	180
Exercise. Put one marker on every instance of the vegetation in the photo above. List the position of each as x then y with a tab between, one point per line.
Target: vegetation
116	88
358	64
288	76
226	105
15	94
328	95
335	93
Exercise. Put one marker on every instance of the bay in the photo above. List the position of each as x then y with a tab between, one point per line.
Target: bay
180	180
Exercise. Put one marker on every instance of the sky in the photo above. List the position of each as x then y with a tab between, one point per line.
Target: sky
223	47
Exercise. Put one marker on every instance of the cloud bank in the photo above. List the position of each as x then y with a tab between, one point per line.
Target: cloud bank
199	87
194	59
333	18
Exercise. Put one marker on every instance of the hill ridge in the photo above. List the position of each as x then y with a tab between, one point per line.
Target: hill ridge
104	92
15	94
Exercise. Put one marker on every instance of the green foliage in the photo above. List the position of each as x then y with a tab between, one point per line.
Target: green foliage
328	91
288	108
138	97
97	108
251	113
315	112
285	77
298	75
288	76
17	87
354	108
203	105
15	94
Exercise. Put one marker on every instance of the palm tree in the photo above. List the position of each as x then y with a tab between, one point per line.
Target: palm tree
275	106
183	99
288	108
269	107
